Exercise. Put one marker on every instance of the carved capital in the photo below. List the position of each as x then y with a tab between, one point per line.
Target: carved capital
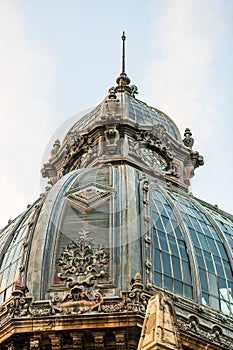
55	340
34	342
77	340
120	340
98	340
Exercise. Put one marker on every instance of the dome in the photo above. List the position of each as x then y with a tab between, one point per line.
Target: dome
117	241
190	243
129	110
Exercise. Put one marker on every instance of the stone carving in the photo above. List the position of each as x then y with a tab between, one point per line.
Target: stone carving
174	170
77	340
99	340
80	300
156	137
34	343
153	148
113	307
81	263
160	329
120	340
112	137
55	340
137	299
51	172
191	163
56	147
42	308
19	305
75	149
159	133
192	325
89	195
112	105
188	140
194	160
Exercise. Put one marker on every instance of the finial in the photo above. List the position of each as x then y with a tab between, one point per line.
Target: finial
188	140
123	81
123	52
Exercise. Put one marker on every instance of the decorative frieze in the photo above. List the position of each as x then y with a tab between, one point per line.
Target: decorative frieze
214	335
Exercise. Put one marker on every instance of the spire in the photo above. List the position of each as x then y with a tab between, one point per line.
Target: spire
123	81
123	52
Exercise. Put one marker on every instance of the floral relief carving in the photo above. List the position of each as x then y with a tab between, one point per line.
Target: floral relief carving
81	263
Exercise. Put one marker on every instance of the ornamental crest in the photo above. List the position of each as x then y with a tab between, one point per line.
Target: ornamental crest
82	263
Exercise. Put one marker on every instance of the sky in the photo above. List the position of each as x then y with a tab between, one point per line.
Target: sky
59	58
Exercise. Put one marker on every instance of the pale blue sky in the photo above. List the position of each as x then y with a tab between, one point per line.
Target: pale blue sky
60	57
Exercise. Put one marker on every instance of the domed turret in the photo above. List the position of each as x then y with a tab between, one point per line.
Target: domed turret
118	225
124	129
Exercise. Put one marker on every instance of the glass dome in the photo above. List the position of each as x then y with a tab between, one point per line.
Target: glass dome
192	255
132	110
191	242
12	240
